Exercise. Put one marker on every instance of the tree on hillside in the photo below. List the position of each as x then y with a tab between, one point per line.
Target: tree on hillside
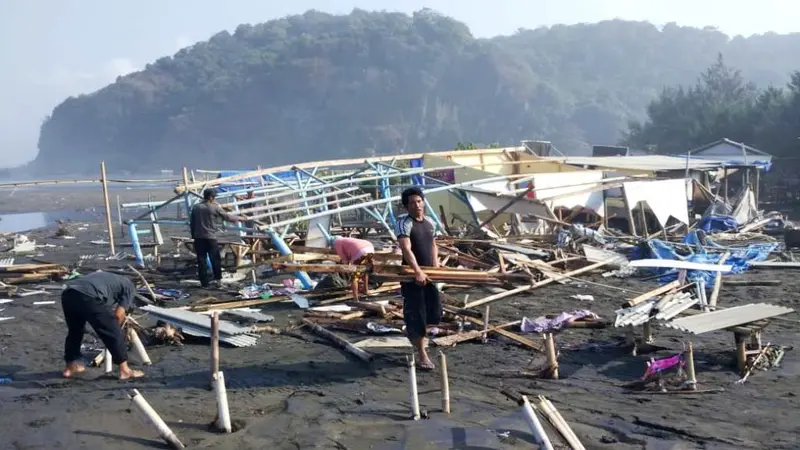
682	118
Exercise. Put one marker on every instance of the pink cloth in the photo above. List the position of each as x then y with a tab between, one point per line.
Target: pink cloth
660	365
350	249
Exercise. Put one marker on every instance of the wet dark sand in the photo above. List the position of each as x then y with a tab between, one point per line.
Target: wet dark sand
289	393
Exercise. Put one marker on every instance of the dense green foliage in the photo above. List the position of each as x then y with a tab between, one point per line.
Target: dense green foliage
319	86
722	104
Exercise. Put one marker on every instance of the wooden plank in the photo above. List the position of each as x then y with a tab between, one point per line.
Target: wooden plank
519	290
654	293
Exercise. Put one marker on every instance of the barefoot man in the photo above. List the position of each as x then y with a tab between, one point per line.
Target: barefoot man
421	303
101	299
358	252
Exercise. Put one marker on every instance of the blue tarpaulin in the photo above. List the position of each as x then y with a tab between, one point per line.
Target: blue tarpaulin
694	252
715	223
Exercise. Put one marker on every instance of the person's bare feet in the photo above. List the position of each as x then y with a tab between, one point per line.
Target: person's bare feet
130	373
126	373
71	369
425	362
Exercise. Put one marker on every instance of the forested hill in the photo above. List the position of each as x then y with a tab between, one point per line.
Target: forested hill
319	86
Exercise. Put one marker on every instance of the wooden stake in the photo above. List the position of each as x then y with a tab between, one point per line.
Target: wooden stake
690	367
104	181
445	383
412	378
552	357
717	281
152	416
138	347
214	345
741	351
223	414
647	332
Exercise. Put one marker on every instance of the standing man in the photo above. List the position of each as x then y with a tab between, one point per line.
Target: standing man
358	252
204	233
421	303
102	299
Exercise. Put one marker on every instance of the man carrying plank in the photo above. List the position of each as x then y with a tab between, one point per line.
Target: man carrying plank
421	303
102	299
358	252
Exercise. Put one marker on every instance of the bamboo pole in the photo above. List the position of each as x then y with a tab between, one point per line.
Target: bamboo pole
152	416
717	281
214	345
361	354
223	413
690	367
138	347
519	290
445	383
555	418
552	356
412	378
104	181
536	427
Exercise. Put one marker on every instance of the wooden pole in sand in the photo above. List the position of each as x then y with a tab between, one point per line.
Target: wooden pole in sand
164	432
741	351
690	367
108	206
214	346
445	383
552	357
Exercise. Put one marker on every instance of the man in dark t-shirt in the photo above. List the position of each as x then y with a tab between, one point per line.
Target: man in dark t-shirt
204	232
101	299
421	303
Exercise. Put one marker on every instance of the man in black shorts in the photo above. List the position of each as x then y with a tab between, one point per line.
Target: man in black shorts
421	303
102	299
204	233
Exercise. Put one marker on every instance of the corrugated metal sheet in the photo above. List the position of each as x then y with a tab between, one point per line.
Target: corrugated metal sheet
725	318
199	325
662	309
595	255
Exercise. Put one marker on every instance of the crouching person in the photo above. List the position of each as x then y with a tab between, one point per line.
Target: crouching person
358	252
101	299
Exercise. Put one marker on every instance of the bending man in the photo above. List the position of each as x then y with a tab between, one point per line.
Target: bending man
421	303
204	233
102	299
357	252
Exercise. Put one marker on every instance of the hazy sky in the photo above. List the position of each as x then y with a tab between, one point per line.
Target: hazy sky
55	48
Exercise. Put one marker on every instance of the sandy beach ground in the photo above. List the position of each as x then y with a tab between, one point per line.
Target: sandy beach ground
292	393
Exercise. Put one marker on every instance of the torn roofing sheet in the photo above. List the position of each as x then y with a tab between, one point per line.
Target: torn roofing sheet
484	200
554	187
664	197
200	325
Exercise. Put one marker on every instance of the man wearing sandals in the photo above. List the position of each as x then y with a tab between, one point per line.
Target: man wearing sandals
421	303
101	299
